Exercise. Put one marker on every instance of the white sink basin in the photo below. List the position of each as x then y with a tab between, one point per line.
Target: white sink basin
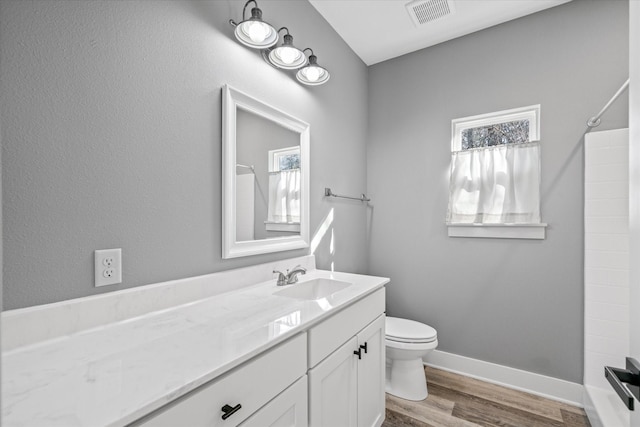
313	289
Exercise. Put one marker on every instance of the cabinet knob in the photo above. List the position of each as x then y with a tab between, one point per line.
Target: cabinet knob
230	410
364	347
358	353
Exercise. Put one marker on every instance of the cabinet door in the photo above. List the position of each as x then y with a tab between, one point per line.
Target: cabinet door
244	390
288	409
333	389
371	371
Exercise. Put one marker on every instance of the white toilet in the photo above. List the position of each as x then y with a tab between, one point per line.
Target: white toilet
406	343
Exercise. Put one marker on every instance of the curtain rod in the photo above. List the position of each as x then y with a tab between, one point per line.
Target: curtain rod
595	120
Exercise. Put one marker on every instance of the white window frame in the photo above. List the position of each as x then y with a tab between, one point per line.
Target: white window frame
274	156
505	231
531	112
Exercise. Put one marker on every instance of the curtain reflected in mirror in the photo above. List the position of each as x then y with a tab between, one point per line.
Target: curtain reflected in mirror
284	190
267	179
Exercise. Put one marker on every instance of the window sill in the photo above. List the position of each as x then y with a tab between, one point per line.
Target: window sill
500	231
292	227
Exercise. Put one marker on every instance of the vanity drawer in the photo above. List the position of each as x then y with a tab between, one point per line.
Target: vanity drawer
250	385
337	329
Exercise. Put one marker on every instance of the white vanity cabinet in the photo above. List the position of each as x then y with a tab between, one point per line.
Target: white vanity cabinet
243	392
347	361
332	375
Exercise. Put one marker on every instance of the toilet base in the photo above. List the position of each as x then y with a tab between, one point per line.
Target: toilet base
406	379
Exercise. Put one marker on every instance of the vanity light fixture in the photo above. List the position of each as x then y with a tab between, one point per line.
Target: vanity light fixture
254	32
257	34
312	74
287	56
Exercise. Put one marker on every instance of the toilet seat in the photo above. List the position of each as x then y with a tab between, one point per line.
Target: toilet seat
411	346
409	331
406	341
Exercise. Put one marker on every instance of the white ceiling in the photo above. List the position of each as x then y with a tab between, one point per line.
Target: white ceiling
378	30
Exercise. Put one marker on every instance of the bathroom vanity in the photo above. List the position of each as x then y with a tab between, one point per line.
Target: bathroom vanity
339	360
311	353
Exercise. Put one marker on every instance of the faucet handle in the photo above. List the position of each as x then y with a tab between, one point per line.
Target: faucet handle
282	278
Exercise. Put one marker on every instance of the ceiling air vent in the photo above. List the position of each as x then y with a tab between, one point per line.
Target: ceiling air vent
423	11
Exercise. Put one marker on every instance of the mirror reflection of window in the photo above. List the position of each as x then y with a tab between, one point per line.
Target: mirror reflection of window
284	159
256	137
284	190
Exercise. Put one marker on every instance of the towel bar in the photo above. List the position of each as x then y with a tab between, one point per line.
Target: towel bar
329	193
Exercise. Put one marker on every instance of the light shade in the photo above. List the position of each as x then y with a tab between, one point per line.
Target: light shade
254	32
313	74
287	56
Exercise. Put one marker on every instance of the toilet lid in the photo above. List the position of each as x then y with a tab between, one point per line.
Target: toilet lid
406	330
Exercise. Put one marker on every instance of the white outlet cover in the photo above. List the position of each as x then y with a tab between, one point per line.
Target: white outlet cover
108	267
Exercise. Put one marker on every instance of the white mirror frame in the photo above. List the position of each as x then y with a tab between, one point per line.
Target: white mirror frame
232	99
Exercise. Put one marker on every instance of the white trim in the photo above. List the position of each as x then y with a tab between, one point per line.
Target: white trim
503	231
590	409
291	227
540	385
532	112
232	99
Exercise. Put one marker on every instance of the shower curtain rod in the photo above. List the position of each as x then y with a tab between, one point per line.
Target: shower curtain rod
595	120
238	165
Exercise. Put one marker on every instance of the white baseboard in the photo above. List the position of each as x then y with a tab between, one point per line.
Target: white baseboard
541	385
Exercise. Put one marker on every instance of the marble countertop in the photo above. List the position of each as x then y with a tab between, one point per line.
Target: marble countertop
117	373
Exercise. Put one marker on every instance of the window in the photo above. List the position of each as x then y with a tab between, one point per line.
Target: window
515	132
495	175
284	159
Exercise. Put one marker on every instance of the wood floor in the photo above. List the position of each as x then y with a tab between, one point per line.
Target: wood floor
458	401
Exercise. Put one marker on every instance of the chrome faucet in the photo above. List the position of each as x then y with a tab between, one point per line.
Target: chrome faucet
290	277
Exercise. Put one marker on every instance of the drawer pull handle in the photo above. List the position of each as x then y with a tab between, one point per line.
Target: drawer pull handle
358	353
230	410
364	347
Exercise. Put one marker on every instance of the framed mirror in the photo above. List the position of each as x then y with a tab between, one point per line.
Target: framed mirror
265	177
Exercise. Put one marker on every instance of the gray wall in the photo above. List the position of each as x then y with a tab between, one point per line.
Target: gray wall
111	137
513	302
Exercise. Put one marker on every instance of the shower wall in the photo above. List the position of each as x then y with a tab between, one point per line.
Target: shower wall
606	271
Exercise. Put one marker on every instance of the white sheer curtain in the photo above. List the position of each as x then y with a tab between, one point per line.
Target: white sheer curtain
495	185
284	196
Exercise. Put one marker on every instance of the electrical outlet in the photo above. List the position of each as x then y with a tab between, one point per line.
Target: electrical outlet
108	267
